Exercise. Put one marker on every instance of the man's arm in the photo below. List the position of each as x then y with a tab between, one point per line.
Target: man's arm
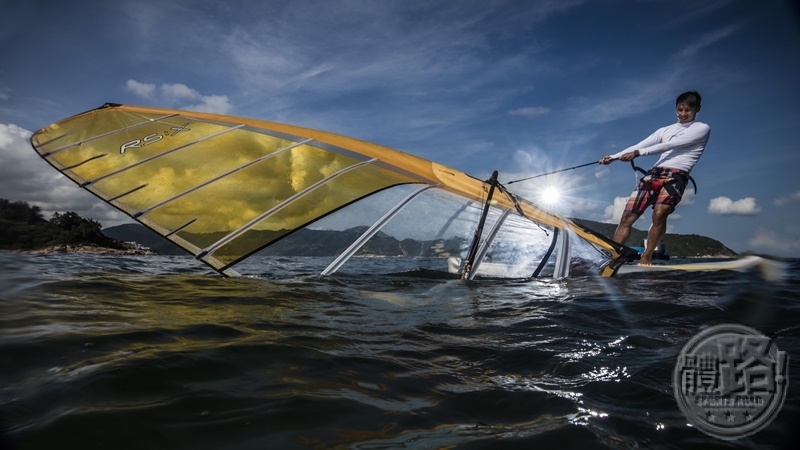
696	134
633	151
628	156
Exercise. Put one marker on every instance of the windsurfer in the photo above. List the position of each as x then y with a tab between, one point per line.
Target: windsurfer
680	146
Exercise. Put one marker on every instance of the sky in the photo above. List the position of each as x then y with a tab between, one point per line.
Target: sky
522	87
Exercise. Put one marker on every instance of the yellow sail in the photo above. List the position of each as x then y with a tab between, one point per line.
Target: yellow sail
224	187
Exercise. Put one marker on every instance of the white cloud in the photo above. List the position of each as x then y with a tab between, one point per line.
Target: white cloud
145	90
176	95
690	51
725	206
217	104
795	196
637	96
523	159
687	198
414	49
10	135
634	96
774	242
573	207
179	91
25	176
583	206
530	111
614	212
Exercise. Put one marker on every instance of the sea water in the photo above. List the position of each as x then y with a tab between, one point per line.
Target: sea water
156	352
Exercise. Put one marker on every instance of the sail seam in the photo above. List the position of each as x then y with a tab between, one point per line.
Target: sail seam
146	160
219	177
273	210
42	144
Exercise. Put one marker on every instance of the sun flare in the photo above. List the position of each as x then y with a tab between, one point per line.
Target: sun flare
550	195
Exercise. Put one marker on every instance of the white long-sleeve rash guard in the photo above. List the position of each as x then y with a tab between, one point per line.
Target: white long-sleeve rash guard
680	145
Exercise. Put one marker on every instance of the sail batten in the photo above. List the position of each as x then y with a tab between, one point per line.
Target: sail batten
372	231
86	161
113	199
103	135
181	227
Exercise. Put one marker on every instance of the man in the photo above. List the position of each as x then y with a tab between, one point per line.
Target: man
679	145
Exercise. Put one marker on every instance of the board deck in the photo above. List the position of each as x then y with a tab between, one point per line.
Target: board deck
770	268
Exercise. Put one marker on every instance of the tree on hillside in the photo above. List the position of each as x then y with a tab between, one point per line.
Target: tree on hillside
23	227
20	212
74	229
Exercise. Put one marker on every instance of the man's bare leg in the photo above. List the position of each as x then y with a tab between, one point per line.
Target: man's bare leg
624	227
656	232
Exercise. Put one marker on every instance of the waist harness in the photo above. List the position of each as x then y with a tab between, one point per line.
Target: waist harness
677	175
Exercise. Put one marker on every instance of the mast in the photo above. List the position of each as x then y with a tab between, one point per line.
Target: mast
473	250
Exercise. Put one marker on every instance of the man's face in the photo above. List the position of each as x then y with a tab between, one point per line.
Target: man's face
686	113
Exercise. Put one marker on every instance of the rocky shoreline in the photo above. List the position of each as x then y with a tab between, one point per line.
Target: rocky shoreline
89	249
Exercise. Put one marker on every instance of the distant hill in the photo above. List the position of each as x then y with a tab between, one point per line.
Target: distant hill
304	242
678	245
134	232
307	242
24	229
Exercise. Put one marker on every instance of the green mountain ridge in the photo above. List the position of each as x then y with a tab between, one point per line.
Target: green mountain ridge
678	245
307	242
22	228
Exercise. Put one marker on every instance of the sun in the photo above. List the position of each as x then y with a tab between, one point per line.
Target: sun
550	196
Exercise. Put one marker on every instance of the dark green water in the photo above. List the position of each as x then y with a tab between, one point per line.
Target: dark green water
161	353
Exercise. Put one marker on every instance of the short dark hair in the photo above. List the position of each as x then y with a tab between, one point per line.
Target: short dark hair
691	98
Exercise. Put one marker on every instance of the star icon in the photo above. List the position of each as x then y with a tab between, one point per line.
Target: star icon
711	417
730	416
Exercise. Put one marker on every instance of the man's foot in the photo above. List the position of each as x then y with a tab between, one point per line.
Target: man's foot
645	261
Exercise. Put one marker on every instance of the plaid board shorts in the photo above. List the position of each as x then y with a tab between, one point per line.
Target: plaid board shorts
660	186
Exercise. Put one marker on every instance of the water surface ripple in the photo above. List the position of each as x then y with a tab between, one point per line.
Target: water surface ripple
162	353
